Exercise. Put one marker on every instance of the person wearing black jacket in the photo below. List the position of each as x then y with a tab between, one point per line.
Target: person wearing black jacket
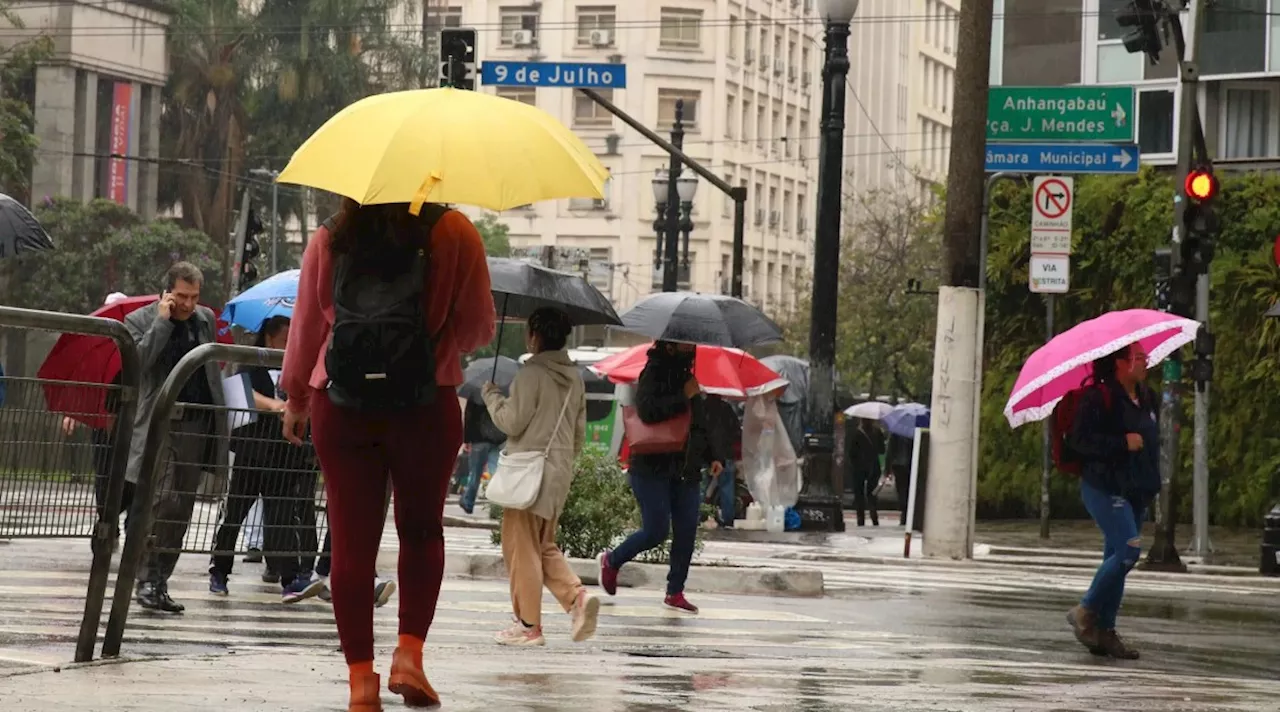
723	419
666	485
485	441
283	475
863	446
1116	438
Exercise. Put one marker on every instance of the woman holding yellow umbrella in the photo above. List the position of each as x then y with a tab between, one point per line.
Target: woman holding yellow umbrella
398	270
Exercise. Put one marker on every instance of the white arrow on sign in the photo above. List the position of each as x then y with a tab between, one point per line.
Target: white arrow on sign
1119	115
1123	158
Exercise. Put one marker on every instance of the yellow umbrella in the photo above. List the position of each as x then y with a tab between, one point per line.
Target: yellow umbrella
446	146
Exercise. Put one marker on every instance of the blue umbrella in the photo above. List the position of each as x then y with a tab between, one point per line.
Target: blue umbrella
273	296
904	419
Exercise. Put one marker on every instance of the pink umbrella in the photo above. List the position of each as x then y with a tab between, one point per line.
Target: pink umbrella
1063	364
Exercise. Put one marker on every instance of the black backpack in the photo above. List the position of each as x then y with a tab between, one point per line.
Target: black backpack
380	356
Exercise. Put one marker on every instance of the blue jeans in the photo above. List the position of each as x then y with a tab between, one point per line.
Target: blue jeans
482	455
726	493
668	504
1121	525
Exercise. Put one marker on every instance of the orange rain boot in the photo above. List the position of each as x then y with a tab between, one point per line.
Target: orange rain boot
407	678
366	687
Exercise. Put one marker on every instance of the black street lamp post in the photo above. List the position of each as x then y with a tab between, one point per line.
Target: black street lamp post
820	506
673	195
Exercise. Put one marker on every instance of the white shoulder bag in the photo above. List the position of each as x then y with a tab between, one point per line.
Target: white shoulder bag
518	480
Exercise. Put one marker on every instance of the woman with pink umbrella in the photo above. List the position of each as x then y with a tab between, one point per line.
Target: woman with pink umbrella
1107	430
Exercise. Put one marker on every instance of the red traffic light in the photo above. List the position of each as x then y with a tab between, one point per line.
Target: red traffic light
1201	185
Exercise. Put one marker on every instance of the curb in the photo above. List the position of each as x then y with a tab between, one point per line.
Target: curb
800	583
469	523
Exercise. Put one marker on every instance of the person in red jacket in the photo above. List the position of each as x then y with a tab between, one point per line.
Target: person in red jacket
366	428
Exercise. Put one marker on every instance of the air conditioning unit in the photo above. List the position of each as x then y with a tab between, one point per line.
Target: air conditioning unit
801	225
611	144
601	38
599	204
764	62
807	79
759	216
779	66
773	218
522	38
791	74
751	56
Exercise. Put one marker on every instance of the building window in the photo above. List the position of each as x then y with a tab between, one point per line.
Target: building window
593	203
762	129
516	19
1246	122
789	139
1155	121
1235	38
524	95
680	29
593	19
731	48
588	113
667	99
730	113
1042	42
600	269
452	17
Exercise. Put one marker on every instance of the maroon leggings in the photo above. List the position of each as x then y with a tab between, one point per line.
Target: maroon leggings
358	450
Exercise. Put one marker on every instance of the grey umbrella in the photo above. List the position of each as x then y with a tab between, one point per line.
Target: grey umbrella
20	232
500	370
521	288
711	319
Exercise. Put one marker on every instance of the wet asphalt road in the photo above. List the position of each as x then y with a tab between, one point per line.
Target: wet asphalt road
904	638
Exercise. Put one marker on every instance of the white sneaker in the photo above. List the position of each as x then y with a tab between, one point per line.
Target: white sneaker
382	592
323	594
586	613
518	635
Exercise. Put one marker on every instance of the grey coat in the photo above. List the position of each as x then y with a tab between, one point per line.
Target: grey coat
151	335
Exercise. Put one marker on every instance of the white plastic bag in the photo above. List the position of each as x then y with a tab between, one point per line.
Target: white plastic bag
768	459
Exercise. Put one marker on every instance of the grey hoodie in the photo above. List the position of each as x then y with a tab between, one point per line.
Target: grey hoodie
530	417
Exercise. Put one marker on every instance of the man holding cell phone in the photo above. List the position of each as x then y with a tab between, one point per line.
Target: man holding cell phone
164	332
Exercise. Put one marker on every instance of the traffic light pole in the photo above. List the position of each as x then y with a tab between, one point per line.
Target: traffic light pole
242	229
1164	551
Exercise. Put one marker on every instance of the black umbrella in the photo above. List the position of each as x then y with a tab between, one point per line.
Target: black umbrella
19	230
500	370
711	319
521	288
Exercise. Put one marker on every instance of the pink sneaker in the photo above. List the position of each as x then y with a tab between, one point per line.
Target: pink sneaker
586	613
679	603
519	635
608	574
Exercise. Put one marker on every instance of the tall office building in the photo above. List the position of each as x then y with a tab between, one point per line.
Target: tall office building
749	74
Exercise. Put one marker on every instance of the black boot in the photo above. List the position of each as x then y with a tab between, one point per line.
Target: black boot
155	597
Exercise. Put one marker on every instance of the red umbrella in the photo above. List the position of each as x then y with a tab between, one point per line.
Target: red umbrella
80	358
720	370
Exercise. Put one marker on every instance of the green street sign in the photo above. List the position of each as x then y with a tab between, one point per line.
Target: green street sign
1077	113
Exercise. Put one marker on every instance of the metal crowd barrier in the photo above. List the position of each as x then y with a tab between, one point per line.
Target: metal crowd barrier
55	485
184	441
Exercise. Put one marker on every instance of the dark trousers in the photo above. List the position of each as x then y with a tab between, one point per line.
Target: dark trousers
864	484
288	519
669	504
902	487
103	444
175	495
361	452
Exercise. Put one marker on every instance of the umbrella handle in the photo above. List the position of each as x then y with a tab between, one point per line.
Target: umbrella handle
497	349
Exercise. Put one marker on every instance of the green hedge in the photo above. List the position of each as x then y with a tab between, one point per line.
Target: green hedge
1118	222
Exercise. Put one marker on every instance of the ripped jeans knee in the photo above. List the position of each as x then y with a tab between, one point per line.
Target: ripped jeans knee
1132	551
